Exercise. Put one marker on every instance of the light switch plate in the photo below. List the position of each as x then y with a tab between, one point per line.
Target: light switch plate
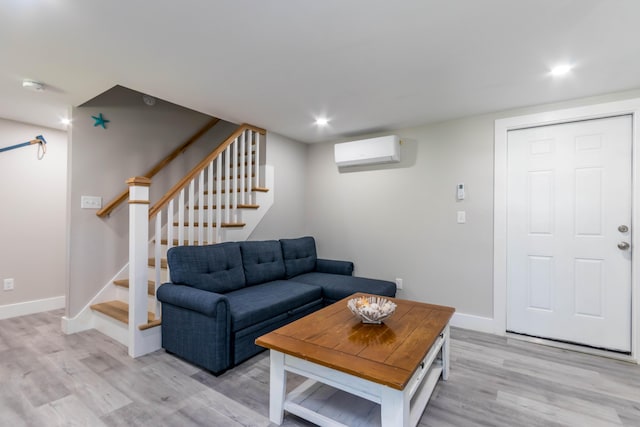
90	202
462	217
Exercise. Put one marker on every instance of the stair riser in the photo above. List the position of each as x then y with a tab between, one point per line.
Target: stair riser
122	294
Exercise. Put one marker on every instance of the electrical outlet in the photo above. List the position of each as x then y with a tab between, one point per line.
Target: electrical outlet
90	202
8	284
461	217
399	283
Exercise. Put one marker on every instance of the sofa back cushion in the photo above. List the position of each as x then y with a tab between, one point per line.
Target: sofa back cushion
299	255
262	261
214	268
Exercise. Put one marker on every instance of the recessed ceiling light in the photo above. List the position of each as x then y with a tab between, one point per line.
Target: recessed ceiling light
322	121
65	121
561	70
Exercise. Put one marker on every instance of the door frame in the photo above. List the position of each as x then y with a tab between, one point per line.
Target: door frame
502	127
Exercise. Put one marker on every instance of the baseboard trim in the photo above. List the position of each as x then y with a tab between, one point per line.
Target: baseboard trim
474	323
31	307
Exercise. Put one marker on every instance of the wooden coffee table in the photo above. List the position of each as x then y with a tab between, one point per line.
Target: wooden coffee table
396	364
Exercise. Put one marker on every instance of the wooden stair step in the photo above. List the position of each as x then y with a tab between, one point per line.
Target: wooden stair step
238	177
150	324
176	242
120	311
151	286
258	189
206	224
163	262
240	206
253	162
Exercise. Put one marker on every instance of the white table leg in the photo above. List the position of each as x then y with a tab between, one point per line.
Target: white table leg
445	354
394	408
277	387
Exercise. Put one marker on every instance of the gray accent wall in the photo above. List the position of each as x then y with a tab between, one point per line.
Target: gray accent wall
33	196
399	221
287	216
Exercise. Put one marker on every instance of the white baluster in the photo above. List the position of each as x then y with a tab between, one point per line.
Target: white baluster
227	175
234	182
251	163
181	208
210	203
257	179
243	169
170	218
191	212
201	206
219	199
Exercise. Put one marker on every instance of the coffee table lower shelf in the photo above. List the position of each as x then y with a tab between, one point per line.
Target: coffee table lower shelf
397	407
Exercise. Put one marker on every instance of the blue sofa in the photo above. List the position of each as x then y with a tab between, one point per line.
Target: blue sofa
222	297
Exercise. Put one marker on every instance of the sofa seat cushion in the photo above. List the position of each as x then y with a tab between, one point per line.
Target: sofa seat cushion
258	303
262	261
214	268
299	255
338	286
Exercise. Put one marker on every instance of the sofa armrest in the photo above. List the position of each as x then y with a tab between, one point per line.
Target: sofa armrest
194	299
331	266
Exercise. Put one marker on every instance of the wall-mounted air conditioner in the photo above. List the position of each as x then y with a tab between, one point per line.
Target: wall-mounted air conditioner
384	149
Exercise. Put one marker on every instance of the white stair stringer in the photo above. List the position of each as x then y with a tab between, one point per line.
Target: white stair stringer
88	319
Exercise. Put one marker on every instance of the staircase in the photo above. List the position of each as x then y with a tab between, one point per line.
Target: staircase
222	199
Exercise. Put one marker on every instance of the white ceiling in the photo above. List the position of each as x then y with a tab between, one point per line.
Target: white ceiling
369	65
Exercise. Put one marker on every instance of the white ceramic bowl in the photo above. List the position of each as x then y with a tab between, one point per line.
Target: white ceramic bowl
371	309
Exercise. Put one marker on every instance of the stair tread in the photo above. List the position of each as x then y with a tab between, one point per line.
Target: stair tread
151	285
118	310
150	324
176	242
259	189
163	262
206	224
253	175
240	206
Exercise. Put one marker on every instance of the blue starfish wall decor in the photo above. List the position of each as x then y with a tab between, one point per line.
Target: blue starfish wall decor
100	121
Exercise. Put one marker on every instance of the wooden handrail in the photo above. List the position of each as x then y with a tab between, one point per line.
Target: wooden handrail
109	207
164	200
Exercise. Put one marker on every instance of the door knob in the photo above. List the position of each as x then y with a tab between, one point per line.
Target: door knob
623	228
623	246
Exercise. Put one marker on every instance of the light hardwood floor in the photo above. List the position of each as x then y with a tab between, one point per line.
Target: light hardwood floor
86	379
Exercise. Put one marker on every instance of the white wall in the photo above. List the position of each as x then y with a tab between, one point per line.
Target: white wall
400	220
100	160
32	216
287	216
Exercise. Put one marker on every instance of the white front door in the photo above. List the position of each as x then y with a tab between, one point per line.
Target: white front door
568	203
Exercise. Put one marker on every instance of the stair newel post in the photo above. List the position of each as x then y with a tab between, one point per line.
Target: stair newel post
138	259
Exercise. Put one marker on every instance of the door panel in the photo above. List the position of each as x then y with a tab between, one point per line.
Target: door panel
569	188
